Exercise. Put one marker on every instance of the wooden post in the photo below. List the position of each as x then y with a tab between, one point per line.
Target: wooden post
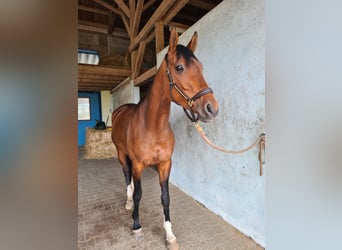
159	30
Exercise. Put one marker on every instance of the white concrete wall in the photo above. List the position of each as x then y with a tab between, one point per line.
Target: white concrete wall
106	107
231	47
125	93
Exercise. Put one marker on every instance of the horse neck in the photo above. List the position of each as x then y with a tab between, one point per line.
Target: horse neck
158	102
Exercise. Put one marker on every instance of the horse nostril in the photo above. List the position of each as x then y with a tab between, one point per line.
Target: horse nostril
209	108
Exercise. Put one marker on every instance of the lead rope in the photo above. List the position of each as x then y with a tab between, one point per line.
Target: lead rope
260	141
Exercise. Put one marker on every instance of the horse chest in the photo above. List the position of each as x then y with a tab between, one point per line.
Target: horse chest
154	151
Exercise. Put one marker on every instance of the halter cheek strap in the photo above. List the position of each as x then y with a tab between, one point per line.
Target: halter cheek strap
190	101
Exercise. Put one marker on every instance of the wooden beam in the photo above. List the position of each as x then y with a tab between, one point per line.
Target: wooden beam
174	10
180	27
90	83
95	88
93	10
80	88
157	16
132	12
92	28
137	17
139	59
98	76
148	5
133	60
159	33
98	85
123	7
116	71
207	5
107	6
95	78
145	77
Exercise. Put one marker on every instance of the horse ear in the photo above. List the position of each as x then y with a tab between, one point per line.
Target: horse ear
193	42
173	43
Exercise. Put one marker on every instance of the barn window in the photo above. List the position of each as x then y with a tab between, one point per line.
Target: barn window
83	108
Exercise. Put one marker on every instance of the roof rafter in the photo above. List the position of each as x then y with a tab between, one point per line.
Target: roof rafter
157	15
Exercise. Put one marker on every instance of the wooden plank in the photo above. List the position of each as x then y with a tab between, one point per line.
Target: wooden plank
139	59
174	10
98	76
156	16
145	77
207	5
107	6
93	10
118	71
92	85
98	85
103	81
137	17
159	33
123	7
95	88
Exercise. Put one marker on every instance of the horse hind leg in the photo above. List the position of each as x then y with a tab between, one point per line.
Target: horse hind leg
127	170
137	171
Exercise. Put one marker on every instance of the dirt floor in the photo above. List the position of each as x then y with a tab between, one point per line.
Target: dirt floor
104	223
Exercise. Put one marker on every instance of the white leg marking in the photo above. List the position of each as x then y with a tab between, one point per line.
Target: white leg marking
130	190
168	229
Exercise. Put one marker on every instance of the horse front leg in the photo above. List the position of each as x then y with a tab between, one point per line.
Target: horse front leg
126	163
164	173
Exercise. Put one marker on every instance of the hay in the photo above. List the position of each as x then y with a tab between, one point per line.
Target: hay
99	144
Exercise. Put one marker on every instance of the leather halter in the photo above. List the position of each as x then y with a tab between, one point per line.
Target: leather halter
190	101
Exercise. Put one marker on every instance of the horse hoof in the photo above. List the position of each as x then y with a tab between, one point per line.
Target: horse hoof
138	234
172	244
129	205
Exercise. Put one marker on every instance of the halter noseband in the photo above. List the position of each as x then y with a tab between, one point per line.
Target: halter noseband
190	101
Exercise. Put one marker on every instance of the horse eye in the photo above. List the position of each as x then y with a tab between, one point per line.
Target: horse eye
179	68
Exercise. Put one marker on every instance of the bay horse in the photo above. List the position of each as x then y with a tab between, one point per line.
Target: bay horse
142	133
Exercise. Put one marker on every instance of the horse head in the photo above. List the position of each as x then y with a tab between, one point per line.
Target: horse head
188	87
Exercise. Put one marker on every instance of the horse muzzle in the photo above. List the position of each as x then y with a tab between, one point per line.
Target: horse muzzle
208	111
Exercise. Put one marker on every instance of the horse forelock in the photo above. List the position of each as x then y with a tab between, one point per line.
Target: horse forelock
186	53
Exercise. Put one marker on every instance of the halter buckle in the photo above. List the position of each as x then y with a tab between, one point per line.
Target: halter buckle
190	103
